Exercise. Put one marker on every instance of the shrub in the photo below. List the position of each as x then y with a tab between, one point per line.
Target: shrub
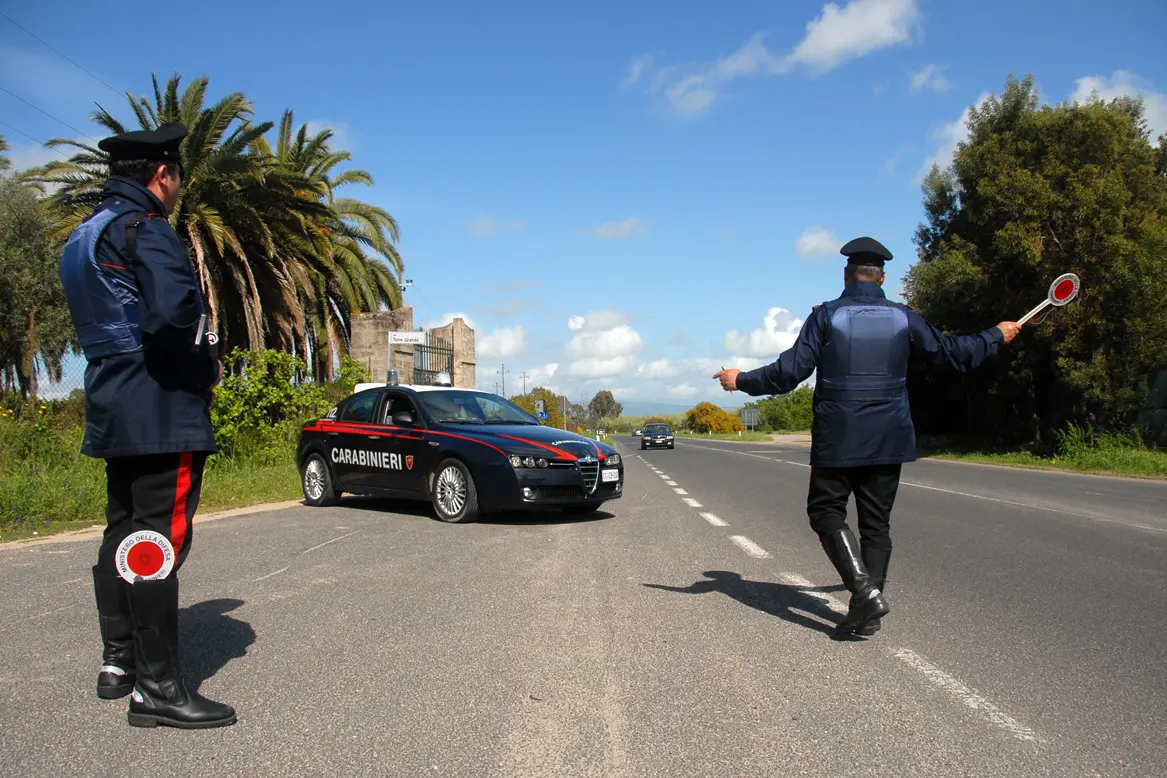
707	417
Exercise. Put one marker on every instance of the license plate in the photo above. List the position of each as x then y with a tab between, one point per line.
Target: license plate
611	475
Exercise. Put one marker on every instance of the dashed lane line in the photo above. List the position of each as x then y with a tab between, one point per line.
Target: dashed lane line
714	519
750	547
671	483
691	502
680	491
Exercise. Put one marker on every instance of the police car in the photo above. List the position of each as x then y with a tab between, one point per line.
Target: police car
463	450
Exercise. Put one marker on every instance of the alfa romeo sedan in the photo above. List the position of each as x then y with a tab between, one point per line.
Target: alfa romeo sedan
463	450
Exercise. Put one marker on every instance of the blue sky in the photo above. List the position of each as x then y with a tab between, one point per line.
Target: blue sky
617	195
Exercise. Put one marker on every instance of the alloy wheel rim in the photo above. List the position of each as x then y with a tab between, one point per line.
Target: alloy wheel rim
451	491
314	479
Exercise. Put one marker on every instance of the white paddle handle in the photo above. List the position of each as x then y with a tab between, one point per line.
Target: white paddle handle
1034	312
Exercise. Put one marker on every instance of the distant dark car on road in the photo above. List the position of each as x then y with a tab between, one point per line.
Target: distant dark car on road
466	451
656	436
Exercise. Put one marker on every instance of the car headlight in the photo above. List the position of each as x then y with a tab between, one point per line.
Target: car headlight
668	437
612	460
527	461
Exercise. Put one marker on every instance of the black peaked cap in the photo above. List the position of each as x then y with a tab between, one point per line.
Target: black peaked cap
163	144
865	251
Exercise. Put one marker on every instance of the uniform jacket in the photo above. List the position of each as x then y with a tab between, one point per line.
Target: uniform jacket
153	399
853	434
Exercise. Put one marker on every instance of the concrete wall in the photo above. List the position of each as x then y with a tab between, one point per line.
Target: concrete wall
461	336
370	346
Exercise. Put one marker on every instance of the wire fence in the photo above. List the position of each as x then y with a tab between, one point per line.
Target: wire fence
45	386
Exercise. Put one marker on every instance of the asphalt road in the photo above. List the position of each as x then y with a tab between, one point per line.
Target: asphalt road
674	634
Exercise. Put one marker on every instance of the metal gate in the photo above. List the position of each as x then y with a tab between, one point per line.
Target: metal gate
434	356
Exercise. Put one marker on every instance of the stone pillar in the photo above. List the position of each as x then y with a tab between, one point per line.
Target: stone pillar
370	343
459	335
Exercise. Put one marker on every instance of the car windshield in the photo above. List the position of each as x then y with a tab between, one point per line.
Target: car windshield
466	407
662	429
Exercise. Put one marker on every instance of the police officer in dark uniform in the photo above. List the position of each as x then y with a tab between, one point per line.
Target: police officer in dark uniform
136	305
860	344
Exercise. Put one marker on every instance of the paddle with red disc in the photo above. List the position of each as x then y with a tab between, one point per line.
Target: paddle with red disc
1061	291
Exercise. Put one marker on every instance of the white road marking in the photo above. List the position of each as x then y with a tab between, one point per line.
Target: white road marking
671	483
965	694
680	491
713	519
794	579
42	615
691	502
325	543
750	547
269	575
663	476
787	461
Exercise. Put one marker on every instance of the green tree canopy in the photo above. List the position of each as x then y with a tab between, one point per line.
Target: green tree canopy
1037	191
604	406
34	319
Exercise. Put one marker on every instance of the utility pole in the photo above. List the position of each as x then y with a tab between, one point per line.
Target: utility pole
524	382
503	372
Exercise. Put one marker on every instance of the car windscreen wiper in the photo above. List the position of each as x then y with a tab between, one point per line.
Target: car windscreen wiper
460	421
507	421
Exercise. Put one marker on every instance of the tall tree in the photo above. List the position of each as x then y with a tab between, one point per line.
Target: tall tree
281	262
34	319
604	406
1037	191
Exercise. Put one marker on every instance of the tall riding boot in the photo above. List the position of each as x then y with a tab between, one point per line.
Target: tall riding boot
876	561
161	695
867	601
116	677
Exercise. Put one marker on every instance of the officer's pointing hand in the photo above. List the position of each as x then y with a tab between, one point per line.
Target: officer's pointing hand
1009	329
728	378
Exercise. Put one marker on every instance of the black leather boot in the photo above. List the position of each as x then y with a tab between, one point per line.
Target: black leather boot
876	562
867	602
116	677
160	695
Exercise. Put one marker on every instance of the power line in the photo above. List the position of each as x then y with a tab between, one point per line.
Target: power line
34	140
46	113
9	18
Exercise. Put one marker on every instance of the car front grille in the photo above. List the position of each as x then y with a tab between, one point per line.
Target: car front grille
557	493
591	474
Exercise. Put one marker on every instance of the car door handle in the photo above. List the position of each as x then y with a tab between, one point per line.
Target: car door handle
374	437
333	434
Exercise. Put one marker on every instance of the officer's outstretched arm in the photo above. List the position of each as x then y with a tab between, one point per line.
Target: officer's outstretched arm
792	367
171	304
959	353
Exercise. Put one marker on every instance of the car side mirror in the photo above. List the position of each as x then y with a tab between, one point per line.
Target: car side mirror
403	419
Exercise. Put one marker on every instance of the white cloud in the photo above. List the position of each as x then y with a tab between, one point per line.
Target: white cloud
779	330
343	138
857	29
636	69
488	225
948	137
603	319
1124	83
660	368
597	367
817	241
838	35
502	342
894	160
929	77
625	228
29	155
622	391
615	342
682	390
446	318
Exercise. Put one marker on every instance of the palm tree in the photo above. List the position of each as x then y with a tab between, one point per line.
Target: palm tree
282	263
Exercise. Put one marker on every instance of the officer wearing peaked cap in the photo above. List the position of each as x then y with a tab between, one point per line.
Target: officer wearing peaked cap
860	344
138	311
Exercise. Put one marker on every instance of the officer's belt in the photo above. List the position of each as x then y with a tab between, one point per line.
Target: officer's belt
861	394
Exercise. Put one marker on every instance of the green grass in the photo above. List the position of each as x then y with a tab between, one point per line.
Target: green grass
1122	455
47	486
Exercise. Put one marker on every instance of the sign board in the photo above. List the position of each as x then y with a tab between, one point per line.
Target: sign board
750	417
406	338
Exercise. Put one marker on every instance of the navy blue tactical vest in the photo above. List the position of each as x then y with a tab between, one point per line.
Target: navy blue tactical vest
104	305
865	357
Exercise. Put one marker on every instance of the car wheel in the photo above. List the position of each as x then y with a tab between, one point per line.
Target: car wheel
455	497
316	482
580	510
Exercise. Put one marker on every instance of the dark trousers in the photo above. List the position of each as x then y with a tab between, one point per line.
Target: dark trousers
874	487
159	492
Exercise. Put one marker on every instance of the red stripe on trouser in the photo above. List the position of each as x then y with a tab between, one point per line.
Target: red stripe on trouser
181	490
